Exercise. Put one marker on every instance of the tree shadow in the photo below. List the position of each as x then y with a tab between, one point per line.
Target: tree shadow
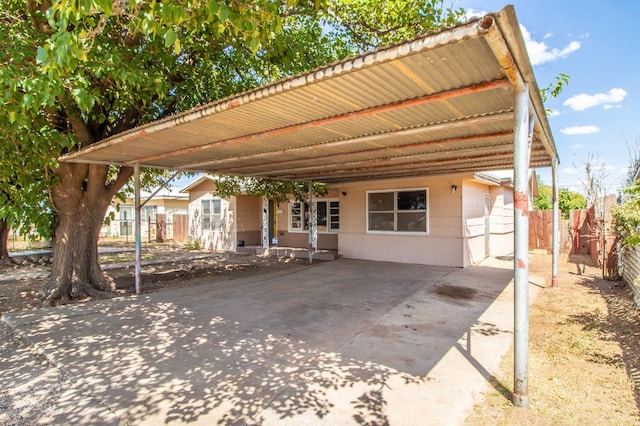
621	324
305	347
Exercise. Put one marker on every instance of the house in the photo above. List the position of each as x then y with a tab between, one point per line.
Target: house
449	220
121	215
222	224
402	135
397	132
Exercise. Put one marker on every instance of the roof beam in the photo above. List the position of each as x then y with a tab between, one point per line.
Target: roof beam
396	155
438	171
313	149
442	96
411	167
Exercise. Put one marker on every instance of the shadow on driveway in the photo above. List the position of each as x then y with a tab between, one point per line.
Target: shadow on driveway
344	342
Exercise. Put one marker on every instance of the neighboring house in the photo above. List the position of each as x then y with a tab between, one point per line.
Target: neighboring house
220	224
168	201
450	220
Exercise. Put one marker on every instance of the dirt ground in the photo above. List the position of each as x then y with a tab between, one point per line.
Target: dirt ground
179	269
584	354
584	342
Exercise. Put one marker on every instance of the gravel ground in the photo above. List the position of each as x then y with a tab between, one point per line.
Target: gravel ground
33	392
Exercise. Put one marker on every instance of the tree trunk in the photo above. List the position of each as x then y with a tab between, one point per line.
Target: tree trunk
81	201
4	241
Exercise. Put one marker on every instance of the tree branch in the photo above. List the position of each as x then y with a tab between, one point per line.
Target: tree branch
121	178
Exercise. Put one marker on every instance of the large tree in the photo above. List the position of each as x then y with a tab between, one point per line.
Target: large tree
82	71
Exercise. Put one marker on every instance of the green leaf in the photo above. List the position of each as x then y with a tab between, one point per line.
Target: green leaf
41	56
170	37
106	6
254	44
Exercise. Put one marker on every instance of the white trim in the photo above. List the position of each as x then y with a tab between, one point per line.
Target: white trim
211	215
395	212
315	201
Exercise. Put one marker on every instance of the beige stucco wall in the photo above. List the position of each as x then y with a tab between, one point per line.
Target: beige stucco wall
224	240
444	244
249	219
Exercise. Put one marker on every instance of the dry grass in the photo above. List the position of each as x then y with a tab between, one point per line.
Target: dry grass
583	355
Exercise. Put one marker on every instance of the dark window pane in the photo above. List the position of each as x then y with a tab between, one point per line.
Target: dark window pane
412	222
381	221
412	200
381	201
322	213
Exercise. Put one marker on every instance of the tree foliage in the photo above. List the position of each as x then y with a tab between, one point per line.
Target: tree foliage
74	73
626	216
367	24
554	89
544	199
567	200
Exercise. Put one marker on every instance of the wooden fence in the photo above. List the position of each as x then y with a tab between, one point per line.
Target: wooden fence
583	234
180	228
541	231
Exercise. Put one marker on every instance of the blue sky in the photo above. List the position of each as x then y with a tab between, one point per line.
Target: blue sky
595	43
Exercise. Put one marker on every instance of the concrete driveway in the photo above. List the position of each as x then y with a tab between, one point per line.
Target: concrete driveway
344	342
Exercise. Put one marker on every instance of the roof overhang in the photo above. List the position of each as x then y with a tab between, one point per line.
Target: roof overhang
441	103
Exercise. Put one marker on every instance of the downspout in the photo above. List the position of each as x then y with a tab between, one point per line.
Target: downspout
555	241
138	234
523	126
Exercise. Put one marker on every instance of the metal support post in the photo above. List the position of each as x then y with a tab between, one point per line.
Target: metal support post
138	225
521	248
555	241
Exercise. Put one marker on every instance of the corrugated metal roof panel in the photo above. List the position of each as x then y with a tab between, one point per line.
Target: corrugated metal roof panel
439	102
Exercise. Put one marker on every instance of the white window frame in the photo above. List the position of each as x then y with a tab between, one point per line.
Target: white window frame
148	212
126	215
215	219
331	218
396	211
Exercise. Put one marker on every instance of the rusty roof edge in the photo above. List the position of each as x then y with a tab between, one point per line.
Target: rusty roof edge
468	30
509	27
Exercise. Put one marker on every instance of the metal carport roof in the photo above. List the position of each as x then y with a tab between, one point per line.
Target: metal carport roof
441	103
462	99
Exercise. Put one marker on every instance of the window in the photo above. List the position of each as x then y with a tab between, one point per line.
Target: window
126	220
148	213
211	218
328	214
397	211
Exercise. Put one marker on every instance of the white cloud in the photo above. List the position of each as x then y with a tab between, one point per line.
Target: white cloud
577	147
539	52
609	106
583	101
580	130
553	113
472	13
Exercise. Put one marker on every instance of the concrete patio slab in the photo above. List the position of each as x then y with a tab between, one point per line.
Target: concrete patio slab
343	342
